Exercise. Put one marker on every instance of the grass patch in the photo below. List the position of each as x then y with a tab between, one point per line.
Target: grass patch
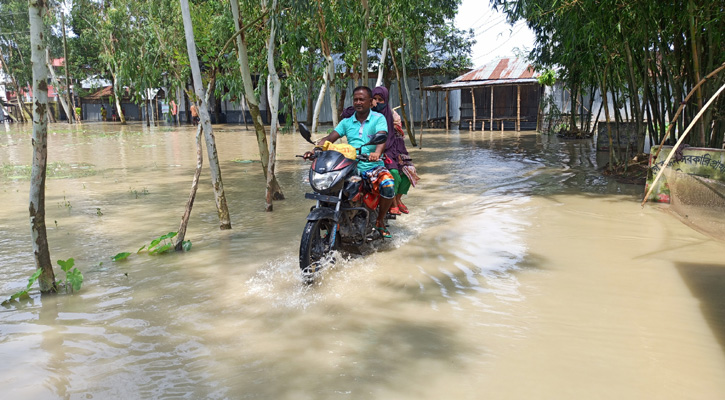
55	170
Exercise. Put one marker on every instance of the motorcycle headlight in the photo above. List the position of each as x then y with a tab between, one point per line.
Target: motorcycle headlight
321	182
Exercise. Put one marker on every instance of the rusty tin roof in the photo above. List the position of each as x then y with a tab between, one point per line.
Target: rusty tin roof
502	68
501	71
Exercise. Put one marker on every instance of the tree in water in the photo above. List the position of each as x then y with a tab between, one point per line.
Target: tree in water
221	201
252	101
37	9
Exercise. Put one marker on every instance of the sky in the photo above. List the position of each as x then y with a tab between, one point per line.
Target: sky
494	36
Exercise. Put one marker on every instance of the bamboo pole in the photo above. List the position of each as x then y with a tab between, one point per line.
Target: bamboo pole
682	106
473	99
446	110
682	137
490	122
518	108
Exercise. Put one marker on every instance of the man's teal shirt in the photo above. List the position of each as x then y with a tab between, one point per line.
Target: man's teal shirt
350	128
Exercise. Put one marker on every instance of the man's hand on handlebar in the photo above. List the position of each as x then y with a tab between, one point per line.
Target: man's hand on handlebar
311	155
374	156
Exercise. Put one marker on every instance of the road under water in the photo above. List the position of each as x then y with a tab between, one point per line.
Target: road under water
520	272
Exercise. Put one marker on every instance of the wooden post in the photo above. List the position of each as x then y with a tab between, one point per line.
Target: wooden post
518	108
473	99
446	111
490	123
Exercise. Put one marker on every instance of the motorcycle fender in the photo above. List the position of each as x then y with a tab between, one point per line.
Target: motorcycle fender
317	214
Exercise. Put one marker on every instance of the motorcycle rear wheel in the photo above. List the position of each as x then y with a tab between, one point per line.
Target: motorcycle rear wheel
316	243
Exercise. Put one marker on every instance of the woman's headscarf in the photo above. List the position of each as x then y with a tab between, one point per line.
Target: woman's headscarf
386	111
395	144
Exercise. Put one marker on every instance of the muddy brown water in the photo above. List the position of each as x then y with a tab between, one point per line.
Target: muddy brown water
520	273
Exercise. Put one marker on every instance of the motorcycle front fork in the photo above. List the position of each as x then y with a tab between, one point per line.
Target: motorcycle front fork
335	227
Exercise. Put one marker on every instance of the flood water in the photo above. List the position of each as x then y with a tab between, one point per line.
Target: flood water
520	273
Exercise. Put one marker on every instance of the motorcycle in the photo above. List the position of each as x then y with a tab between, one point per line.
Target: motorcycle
346	210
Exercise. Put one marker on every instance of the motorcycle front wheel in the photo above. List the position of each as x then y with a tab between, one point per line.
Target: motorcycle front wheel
316	243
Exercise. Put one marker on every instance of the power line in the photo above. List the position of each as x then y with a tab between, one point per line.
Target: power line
493	22
502	44
476	21
487	29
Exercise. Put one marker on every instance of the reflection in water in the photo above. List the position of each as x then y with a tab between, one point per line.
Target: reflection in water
520	273
707	283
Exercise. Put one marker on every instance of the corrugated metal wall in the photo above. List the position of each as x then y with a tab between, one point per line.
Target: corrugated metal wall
435	101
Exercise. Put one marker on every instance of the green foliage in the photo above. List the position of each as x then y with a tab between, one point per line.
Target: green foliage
24	293
649	51
547	78
159	245
120	256
73	277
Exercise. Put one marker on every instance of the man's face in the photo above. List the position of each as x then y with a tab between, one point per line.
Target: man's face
361	101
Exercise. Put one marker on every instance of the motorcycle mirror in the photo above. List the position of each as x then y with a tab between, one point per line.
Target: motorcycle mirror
305	133
379	138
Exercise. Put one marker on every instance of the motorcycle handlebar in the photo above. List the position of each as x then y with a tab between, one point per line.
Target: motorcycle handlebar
362	157
366	157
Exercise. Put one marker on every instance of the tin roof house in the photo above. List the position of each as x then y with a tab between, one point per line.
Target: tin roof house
504	94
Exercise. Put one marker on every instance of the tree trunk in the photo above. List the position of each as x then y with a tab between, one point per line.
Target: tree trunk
118	99
293	102
400	94
422	99
51	117
612	156
333	91
330	76
216	176
252	101
21	104
310	87
155	109
364	44
194	183
343	93
696	66
6	112
69	96
634	96
273	89
192	195
318	104
381	67
55	81
572	109
70	100
411	126
178	105
37	9
243	105
146	104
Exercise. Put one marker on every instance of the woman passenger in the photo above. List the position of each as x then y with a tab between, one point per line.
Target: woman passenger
394	148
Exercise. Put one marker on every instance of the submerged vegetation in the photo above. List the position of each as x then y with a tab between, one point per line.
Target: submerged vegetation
71	284
56	170
160	245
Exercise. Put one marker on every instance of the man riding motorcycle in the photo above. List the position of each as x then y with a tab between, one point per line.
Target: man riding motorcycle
359	129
